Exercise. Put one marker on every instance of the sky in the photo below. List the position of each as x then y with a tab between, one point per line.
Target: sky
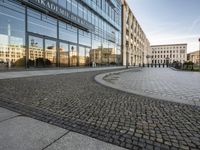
169	21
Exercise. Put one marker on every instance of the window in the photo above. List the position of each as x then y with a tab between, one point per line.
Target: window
69	5
67	32
41	23
12	32
74	7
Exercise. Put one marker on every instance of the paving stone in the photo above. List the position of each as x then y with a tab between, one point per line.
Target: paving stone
77	103
22	133
6	114
75	141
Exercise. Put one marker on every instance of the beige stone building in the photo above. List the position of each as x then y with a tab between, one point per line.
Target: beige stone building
193	57
163	54
135	45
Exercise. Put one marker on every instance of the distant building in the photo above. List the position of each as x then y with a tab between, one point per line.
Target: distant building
135	45
193	57
163	54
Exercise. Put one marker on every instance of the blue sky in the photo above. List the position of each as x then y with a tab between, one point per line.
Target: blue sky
169	21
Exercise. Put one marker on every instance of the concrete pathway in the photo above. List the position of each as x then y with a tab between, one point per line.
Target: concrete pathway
18	132
21	74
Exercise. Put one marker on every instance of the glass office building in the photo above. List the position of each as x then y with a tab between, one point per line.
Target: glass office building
59	33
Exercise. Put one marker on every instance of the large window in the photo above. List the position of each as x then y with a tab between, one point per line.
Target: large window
50	53
74	7
84	38
73	55
64	55
82	58
36	52
12	34
67	32
96	52
41	24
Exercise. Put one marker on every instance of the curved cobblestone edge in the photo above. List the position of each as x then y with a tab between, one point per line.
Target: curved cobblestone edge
131	139
101	80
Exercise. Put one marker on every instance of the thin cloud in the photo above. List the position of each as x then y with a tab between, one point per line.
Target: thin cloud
195	25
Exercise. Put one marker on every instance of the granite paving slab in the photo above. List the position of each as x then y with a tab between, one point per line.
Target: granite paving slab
23	133
6	114
75	141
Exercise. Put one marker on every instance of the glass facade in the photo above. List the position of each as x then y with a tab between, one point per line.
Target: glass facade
33	37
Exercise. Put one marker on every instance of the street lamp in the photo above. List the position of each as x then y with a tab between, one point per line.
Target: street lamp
199	54
126	55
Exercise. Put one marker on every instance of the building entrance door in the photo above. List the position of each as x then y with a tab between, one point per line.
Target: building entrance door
64	54
50	53
73	54
84	56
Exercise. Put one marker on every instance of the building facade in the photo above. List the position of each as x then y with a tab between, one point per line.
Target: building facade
59	33
135	45
194	57
163	54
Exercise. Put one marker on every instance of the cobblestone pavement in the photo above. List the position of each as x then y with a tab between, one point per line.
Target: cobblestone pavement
77	103
161	83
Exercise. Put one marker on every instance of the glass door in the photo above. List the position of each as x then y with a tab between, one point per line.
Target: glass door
64	54
36	52
81	56
73	55
50	53
84	56
87	55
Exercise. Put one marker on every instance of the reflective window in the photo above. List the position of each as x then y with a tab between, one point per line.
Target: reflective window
80	11
73	55
69	5
62	3
67	32
87	55
74	7
64	55
50	53
84	38
41	24
82	58
36	52
12	35
96	52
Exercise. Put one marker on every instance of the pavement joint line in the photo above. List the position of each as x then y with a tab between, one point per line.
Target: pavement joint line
55	140
10	118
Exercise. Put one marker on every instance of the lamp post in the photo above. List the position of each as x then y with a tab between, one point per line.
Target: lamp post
199	54
127	56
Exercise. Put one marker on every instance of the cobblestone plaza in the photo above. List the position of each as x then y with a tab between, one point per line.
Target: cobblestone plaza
161	83
77	103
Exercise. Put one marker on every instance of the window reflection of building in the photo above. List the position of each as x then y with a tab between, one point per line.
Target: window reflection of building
73	56
36	53
64	55
50	53
104	55
13	54
12	35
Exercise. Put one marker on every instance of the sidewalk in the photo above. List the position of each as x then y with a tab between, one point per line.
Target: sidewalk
21	74
18	132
